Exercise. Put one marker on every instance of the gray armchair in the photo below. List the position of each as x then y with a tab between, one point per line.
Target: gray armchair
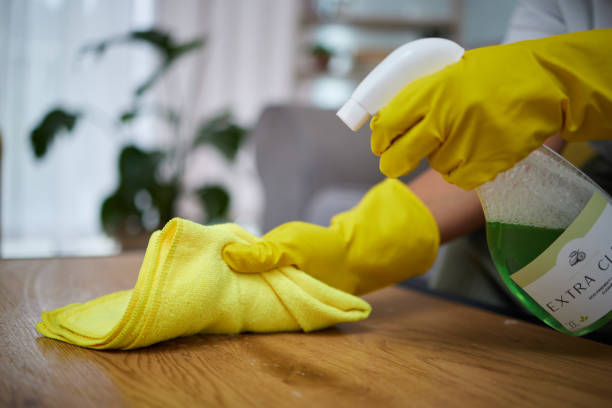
302	153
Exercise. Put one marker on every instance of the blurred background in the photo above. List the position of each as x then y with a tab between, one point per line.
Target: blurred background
117	115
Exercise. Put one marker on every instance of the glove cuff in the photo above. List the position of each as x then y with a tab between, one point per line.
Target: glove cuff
391	236
421	226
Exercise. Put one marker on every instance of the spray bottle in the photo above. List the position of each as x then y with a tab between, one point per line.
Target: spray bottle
548	225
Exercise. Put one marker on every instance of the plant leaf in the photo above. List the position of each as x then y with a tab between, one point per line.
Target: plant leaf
152	79
117	211
216	201
52	124
128	116
164	197
165	44
185	48
138	169
221	133
161	40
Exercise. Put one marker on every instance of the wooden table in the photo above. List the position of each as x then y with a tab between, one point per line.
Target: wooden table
414	350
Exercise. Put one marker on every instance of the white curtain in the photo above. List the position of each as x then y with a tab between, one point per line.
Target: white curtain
51	207
247	64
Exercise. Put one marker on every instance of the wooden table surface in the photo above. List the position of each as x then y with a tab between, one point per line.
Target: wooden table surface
414	350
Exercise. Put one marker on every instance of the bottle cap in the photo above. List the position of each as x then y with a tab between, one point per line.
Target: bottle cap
353	114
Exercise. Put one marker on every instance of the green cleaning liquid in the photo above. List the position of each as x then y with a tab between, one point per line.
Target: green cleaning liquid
512	247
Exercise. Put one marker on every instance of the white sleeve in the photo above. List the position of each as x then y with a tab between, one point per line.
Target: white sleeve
535	19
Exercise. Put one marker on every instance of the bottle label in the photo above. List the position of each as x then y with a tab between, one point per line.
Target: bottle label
572	278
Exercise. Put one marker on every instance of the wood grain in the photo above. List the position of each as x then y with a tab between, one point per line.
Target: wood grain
415	350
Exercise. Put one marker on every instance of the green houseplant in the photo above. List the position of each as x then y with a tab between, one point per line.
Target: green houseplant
321	55
150	181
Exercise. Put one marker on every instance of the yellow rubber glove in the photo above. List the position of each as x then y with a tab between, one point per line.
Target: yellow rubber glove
481	115
184	287
388	237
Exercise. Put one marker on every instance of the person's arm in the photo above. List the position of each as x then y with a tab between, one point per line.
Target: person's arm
456	211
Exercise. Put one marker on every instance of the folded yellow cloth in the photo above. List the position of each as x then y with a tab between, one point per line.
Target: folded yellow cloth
185	287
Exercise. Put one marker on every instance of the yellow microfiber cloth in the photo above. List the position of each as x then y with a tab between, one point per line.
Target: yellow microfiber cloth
185	287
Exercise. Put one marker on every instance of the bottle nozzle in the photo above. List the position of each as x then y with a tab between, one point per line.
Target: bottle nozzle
407	63
353	114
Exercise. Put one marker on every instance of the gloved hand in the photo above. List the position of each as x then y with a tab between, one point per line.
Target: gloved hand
481	115
388	237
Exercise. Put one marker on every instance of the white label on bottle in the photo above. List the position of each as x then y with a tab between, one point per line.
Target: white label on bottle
572	278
